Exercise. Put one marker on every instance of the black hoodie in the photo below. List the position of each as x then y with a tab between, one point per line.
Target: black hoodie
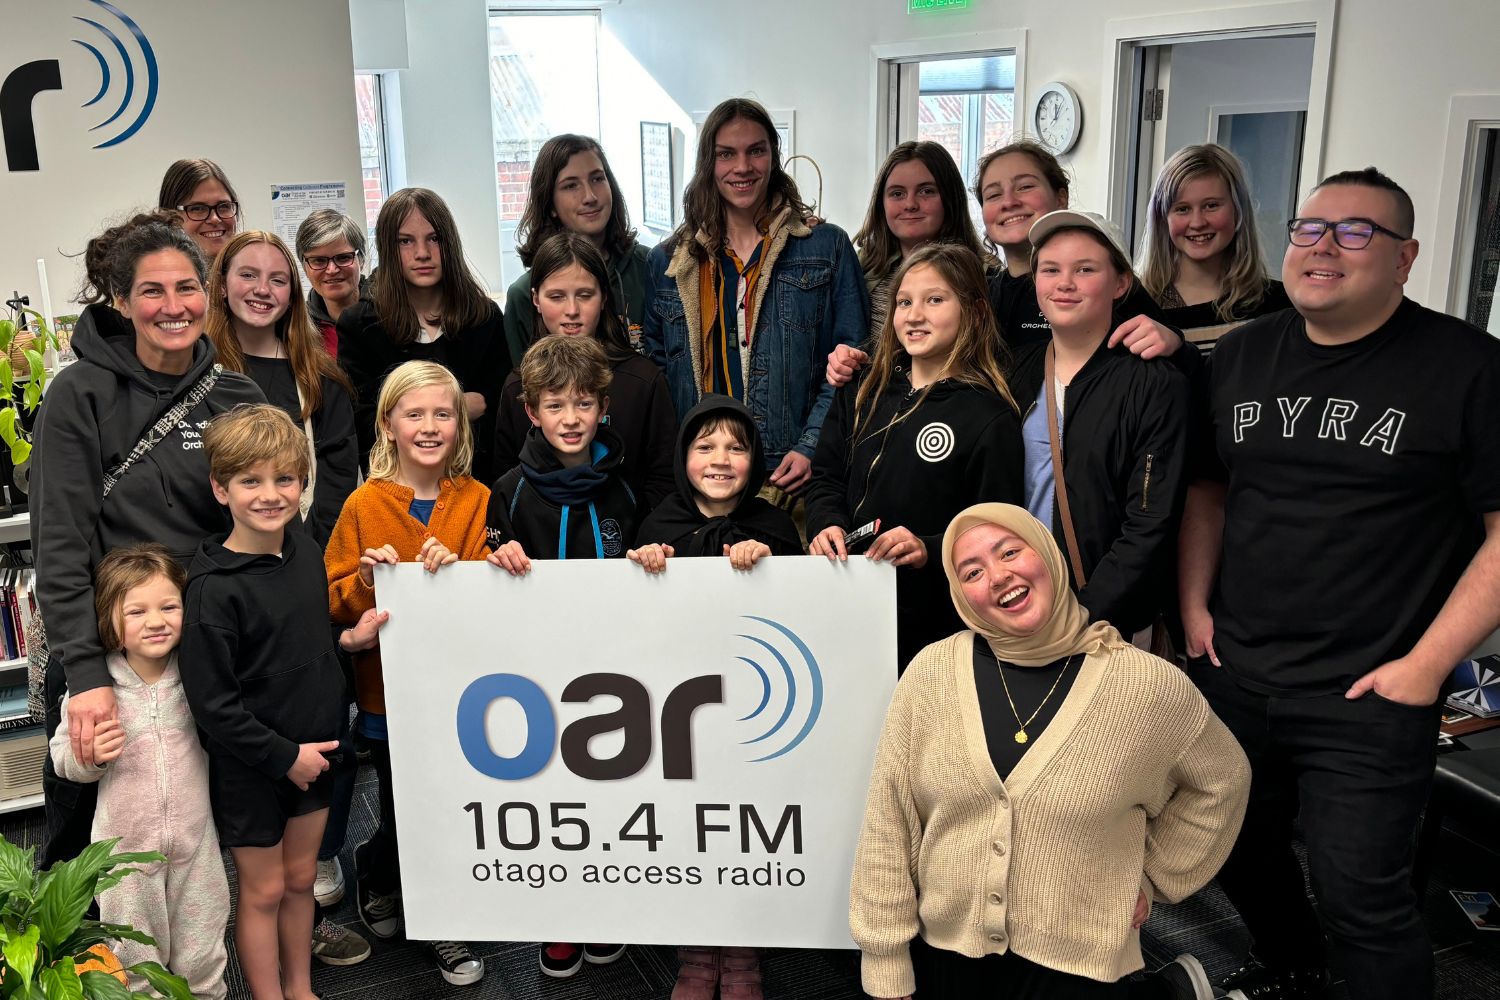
678	522
93	414
960	447
588	512
258	663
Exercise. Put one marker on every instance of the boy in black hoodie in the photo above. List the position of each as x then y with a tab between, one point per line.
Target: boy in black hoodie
567	499
263	681
719	467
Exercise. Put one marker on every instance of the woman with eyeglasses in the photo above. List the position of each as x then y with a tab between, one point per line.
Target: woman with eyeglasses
201	191
331	247
1201	257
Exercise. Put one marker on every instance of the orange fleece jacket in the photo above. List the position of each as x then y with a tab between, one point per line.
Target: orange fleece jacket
376	514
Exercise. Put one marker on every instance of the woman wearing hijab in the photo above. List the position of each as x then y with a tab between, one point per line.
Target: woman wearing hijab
1038	783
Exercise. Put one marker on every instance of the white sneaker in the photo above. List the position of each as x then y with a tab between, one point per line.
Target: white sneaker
328	890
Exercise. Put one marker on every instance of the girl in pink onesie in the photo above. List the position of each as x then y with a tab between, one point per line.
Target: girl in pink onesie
153	776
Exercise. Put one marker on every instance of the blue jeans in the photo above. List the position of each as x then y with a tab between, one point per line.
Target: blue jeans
1355	775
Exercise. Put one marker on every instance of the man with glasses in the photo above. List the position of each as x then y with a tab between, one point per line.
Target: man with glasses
1340	553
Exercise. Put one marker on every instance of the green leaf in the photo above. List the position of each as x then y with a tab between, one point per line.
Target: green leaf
16	865
8	425
7	378
60	981
20	954
39	323
168	985
34	359
7	334
102	986
66	891
20	451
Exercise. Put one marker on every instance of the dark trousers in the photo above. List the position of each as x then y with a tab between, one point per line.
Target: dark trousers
69	806
345	767
947	975
377	859
1356	775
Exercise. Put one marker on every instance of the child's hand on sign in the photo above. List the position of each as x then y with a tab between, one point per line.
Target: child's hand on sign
651	558
744	555
384	554
511	558
435	554
365	633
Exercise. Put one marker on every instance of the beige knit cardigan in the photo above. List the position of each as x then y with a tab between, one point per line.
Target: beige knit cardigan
1134	785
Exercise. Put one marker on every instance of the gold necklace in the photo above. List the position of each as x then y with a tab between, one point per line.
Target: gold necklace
1021	736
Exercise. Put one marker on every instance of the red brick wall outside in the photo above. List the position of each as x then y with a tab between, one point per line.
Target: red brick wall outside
513	178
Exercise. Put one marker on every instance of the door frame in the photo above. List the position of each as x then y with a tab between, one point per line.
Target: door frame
886	59
1125	38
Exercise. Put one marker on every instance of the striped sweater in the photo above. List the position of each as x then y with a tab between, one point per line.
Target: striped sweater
1134	785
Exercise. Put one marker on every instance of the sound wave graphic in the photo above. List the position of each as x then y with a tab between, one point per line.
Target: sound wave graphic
781	686
127	62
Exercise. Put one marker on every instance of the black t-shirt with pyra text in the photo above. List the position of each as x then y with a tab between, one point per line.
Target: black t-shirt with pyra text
1356	477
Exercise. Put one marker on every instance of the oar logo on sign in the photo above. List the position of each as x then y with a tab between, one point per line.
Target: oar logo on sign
134	66
791	688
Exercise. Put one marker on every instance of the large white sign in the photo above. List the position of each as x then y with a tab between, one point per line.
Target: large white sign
591	754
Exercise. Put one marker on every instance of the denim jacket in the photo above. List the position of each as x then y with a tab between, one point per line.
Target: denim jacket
811	296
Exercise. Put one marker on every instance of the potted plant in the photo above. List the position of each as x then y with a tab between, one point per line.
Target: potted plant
12	429
49	949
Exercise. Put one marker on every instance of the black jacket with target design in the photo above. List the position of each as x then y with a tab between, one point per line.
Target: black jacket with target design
916	462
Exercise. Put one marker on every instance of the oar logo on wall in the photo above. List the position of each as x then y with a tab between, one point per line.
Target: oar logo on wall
127	69
791	690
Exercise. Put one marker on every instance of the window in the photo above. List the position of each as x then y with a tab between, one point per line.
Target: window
374	167
544	80
967	106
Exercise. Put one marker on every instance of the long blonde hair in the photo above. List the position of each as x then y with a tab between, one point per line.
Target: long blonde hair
976	354
310	360
1244	282
385	461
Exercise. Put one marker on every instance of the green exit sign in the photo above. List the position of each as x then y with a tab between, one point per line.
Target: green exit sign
928	6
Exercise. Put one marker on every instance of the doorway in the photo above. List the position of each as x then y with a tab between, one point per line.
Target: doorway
1253	79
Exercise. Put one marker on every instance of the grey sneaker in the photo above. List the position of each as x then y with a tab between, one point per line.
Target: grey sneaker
335	945
328	890
1185	979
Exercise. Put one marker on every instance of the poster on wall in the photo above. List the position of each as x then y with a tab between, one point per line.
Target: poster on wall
291	203
588	753
656	175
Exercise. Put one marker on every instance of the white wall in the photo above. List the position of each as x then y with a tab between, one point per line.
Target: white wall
265	91
663	59
445	113
1241	71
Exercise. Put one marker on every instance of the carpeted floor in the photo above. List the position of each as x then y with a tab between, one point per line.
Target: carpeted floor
1468	961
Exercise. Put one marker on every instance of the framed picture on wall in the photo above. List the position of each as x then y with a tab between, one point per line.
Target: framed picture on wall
657	182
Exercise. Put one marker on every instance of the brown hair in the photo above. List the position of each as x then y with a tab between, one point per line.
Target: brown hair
740	429
564	248
878	247
385	460
538	220
465	303
703	209
183	177
120	572
310	360
976	357
252	433
1051	171
557	364
109	259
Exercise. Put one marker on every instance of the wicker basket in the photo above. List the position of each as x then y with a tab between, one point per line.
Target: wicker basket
19	366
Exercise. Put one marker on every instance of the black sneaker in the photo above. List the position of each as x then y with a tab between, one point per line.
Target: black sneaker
602	954
456	962
379	912
1254	981
1185	979
560	960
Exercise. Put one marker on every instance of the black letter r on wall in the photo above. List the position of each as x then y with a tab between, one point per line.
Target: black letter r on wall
15	110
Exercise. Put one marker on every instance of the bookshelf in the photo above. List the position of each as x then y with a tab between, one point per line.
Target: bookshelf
20	755
16	528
